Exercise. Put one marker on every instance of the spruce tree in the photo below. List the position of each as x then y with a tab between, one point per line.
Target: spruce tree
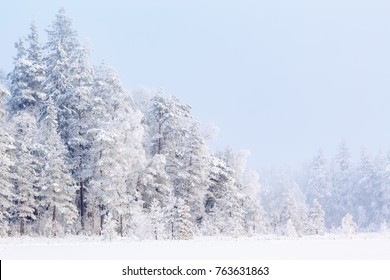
183	221
348	226
59	190
316	223
8	161
27	169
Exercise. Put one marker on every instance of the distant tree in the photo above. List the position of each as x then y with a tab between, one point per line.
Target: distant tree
367	195
319	185
316	223
295	213
381	194
342	193
348	226
384	228
290	230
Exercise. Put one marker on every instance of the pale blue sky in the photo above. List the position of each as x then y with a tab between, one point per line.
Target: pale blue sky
281	78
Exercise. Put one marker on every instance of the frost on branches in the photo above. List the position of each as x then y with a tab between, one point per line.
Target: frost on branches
82	155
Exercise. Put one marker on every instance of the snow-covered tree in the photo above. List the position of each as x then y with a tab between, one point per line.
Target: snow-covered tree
27	168
367	195
62	51
164	118
69	82
174	133
316	224
295	210
249	188
28	74
109	226
348	226
223	202
154	182
384	228
342	200
170	212
183	221
58	191
157	220
7	155
117	155
254	217
319	185
290	229
380	199
191	174
20	93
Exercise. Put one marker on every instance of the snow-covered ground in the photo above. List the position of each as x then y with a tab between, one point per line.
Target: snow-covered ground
359	247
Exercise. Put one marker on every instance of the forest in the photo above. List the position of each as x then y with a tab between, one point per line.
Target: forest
81	155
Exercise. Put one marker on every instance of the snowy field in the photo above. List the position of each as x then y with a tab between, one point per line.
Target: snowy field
329	247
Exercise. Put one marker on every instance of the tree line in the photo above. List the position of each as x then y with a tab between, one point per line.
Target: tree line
81	155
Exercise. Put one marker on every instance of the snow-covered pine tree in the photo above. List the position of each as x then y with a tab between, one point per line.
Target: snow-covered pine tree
154	182
27	168
20	93
176	135
223	202
59	190
277	187
170	216
28	75
342	192
157	220
367	196
163	119
384	228
295	212
316	224
36	68
249	187
348	226
192	171
69	83
7	155
118	156
109	227
319	184
290	229
61	59
183	221
381	195
254	217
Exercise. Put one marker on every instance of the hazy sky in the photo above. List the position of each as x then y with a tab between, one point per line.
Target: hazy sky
281	78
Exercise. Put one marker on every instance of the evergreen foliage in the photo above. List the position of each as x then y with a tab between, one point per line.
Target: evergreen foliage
80	155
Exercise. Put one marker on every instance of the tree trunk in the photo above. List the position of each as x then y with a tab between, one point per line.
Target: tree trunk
121	224
53	221
159	139
82	204
22	226
102	218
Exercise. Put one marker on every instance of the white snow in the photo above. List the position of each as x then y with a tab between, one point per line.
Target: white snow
329	247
